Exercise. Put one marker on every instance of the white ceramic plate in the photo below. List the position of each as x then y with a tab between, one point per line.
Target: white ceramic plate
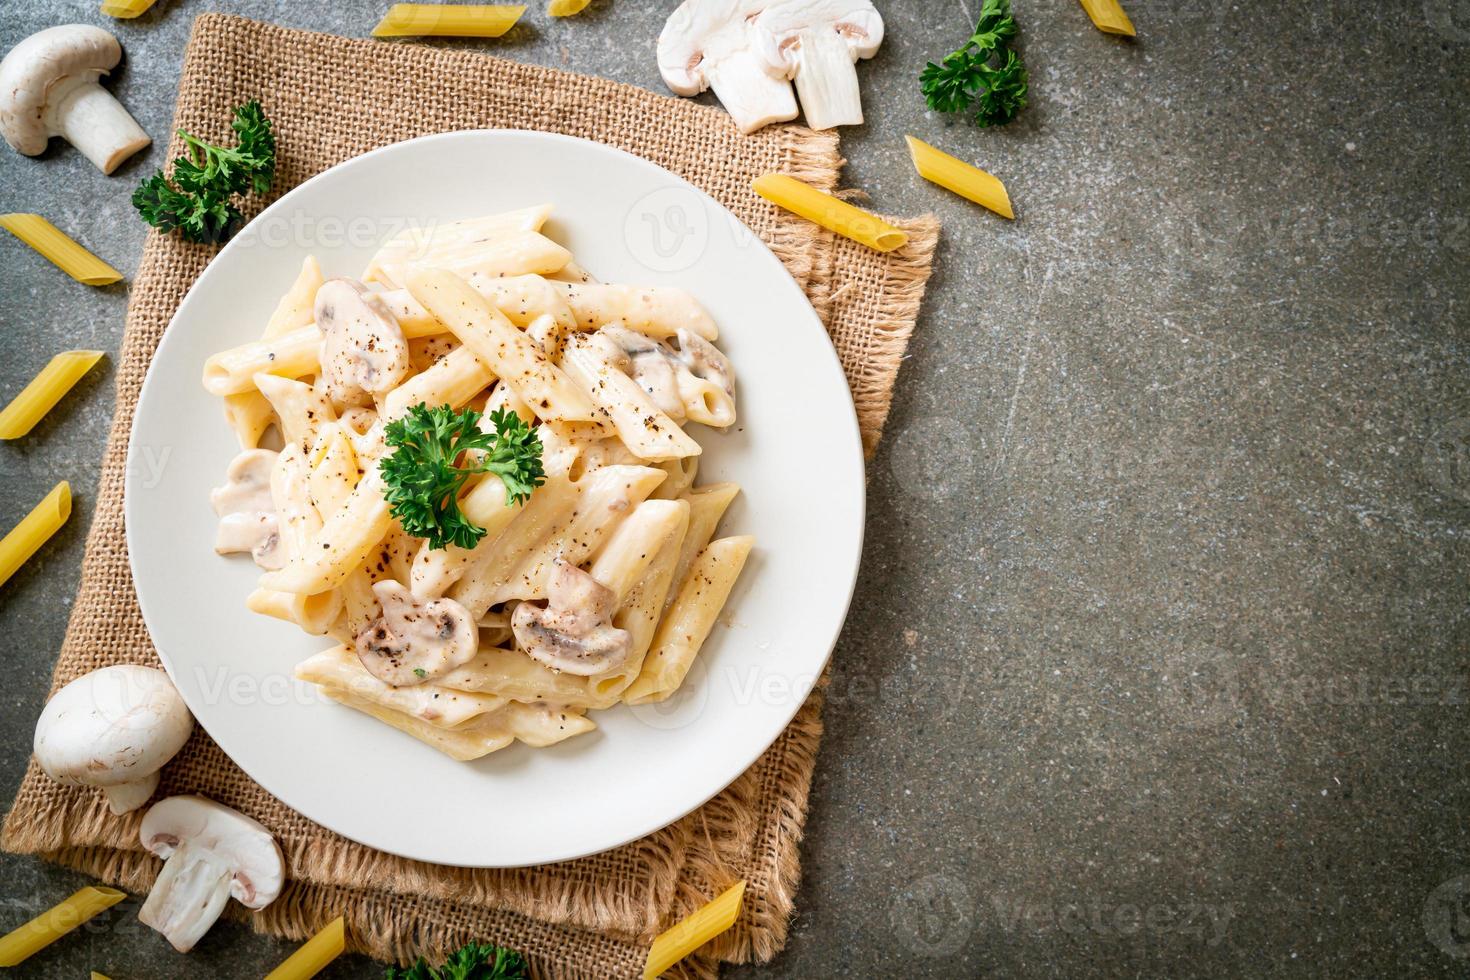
796	453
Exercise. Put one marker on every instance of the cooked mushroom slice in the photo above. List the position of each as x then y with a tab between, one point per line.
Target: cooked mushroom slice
647	362
818	42
573	632
706	360
710	44
364	351
415	640
210	852
48	87
247	514
113	728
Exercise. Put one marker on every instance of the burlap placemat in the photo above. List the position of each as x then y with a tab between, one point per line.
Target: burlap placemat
331	99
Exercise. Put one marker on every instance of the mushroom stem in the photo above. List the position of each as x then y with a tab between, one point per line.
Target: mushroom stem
97	124
188	896
827	81
127	797
751	97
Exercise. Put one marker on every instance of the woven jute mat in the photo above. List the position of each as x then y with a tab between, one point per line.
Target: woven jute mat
330	99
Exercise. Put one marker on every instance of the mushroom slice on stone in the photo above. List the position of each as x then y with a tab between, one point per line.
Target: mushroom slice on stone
415	640
210	853
710	44
364	351
573	632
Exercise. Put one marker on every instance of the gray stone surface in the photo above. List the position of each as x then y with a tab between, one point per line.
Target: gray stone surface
1158	664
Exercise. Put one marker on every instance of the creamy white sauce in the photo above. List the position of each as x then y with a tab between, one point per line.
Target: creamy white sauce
248	521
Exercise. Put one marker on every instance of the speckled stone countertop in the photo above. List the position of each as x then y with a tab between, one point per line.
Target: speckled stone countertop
1159	663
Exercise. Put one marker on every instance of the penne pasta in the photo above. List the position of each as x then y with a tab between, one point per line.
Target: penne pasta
26	940
690	933
34	530
453	380
830	212
644	428
658	311
432	704
301	410
125	9
345	540
249	414
956	175
47	388
512	674
642	603
1109	17
59	250
295	310
448	20
706	506
314	955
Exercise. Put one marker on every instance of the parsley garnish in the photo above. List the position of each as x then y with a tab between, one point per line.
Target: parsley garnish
984	75
425	472
199	199
477	961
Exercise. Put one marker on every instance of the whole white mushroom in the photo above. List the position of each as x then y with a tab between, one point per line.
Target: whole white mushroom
48	87
114	729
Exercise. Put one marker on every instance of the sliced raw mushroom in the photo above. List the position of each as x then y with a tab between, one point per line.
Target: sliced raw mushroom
818	43
415	640
210	853
573	632
364	352
710	44
113	728
247	514
48	87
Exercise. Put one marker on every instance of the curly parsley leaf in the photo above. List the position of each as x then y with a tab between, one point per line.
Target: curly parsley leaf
984	76
476	961
429	466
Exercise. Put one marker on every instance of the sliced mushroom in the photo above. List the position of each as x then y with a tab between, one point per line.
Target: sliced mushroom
706	360
573	632
647	362
818	43
210	852
364	351
710	44
247	514
415	640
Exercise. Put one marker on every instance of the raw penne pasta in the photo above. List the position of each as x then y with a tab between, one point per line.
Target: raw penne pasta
698	928
34	530
26	940
515	358
47	388
249	414
59	250
295	310
125	9
690	619
565	8
448	20
956	175
1109	17
830	212
314	954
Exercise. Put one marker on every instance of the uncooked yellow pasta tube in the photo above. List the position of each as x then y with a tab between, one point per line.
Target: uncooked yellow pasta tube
34	530
566	8
125	9
693	932
64	253
314	954
99	976
45	390
56	921
1109	17
829	212
956	175
448	20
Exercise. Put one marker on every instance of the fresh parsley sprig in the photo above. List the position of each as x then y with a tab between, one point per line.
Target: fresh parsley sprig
477	961
428	468
984	76
199	200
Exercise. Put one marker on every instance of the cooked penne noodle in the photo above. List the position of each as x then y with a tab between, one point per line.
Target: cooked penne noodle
430	703
628	552
34	530
448	20
658	311
698	928
453	380
426	246
514	357
681	474
706	506
125	9
1109	17
510	253
291	355
643	604
59	250
249	414
47	388
314	954
512	674
26	940
315	614
644	428
956	175
301	409
525	298
690	619
334	472
345	541
830	212
436	569
295	310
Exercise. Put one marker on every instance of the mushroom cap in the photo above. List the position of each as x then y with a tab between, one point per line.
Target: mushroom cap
259	871
36	66
855	21
115	725
700	33
364	351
